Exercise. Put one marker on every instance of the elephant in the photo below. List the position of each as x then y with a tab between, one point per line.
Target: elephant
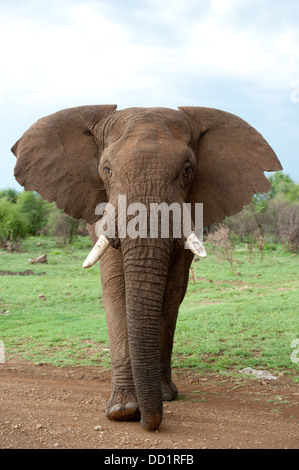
84	156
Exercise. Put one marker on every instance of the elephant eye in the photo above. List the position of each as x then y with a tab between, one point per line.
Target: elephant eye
187	170
107	170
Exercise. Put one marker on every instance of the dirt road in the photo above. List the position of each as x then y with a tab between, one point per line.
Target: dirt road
44	407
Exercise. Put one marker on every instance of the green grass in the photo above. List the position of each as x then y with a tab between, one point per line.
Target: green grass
69	326
248	319
227	321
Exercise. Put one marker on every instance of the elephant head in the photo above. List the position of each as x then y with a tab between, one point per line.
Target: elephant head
83	156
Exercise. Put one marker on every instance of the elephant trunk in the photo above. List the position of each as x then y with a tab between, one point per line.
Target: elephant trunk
146	267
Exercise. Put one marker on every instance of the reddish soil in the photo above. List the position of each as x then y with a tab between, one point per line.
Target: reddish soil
46	407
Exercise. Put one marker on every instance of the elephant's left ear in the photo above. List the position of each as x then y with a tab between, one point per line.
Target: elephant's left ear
57	158
232	157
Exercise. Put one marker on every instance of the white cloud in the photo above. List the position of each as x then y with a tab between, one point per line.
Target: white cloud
218	46
240	53
220	6
89	52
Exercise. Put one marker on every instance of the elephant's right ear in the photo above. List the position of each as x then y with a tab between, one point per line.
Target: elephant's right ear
57	158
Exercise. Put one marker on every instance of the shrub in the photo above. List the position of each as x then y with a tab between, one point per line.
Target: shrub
283	218
13	224
64	227
35	209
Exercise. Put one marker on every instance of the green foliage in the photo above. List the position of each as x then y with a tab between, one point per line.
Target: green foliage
26	213
283	188
9	194
63	227
35	209
270	217
13	224
21	214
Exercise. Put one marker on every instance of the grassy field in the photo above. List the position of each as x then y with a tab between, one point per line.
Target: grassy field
228	320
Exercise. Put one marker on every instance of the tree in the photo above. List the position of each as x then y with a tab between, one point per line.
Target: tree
10	194
273	215
282	219
63	226
283	187
13	224
35	209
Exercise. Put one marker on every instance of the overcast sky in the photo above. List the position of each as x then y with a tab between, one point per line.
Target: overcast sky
241	56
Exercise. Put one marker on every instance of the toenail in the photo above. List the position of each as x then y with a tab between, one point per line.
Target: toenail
115	408
130	404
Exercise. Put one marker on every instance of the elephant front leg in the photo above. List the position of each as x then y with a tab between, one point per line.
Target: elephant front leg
175	291
122	404
167	328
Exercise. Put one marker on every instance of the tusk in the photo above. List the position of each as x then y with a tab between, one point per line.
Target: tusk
193	244
98	250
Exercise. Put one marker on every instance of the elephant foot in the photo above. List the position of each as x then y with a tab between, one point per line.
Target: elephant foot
122	406
169	391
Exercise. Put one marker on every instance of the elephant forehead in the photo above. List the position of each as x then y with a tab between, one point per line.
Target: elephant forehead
154	124
138	149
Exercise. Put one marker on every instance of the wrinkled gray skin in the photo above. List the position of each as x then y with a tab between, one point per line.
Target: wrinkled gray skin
83	156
